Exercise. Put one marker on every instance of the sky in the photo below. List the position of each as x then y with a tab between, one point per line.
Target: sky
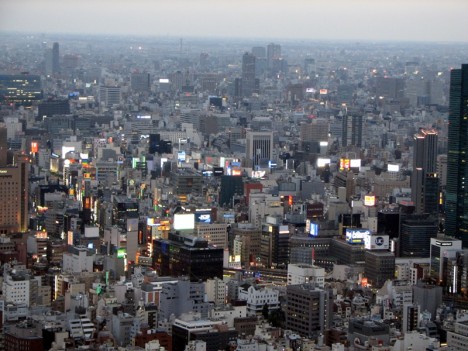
357	20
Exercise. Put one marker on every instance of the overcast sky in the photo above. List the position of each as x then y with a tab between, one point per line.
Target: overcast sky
414	20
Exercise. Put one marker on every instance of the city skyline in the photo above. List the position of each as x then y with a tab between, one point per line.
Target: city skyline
360	20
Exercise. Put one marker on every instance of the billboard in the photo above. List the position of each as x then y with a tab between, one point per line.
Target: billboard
67	149
313	229
356	163
203	216
376	242
345	163
369	200
184	221
393	168
321	162
218	171
356	235
181	156
34	147
122	252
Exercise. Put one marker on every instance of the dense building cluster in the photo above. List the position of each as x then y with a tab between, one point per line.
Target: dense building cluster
157	194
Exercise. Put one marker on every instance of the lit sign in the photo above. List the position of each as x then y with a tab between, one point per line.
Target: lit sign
356	236
376	242
369	200
344	163
441	243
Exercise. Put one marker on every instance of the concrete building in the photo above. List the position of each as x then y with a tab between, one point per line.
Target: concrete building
215	233
78	259
14	190
109	95
443	249
306	274
259	147
458	338
216	291
182	297
257	297
379	266
16	287
309	310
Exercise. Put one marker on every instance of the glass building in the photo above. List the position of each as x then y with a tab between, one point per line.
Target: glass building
456	205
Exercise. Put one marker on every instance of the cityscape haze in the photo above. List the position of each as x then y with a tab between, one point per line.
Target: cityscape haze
234	175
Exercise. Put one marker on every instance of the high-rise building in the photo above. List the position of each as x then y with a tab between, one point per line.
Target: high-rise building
416	232
274	249
14	214
55	58
140	82
259	147
109	95
424	180
51	108
352	130
309	309
259	51
379	267
456	203
273	54
249	82
313	135
188	256
20	89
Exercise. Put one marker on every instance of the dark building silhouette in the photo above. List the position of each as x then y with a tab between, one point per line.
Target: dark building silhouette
230	186
187	256
416	232
352	130
140	82
456	203
20	89
249	82
309	310
424	180
55	58
50	108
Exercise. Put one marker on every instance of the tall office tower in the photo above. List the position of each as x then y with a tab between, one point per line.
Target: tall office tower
273	53
309	310
140	82
424	180
249	83
313	134
14	184
416	232
3	145
390	88
352	130
109	95
456	203
55	58
259	147
259	51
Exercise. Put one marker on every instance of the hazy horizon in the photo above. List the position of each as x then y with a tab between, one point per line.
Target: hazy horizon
340	20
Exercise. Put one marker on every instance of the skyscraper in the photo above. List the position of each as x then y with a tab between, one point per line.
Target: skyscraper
456	205
55	58
14	214
352	130
249	82
259	146
273	54
424	180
